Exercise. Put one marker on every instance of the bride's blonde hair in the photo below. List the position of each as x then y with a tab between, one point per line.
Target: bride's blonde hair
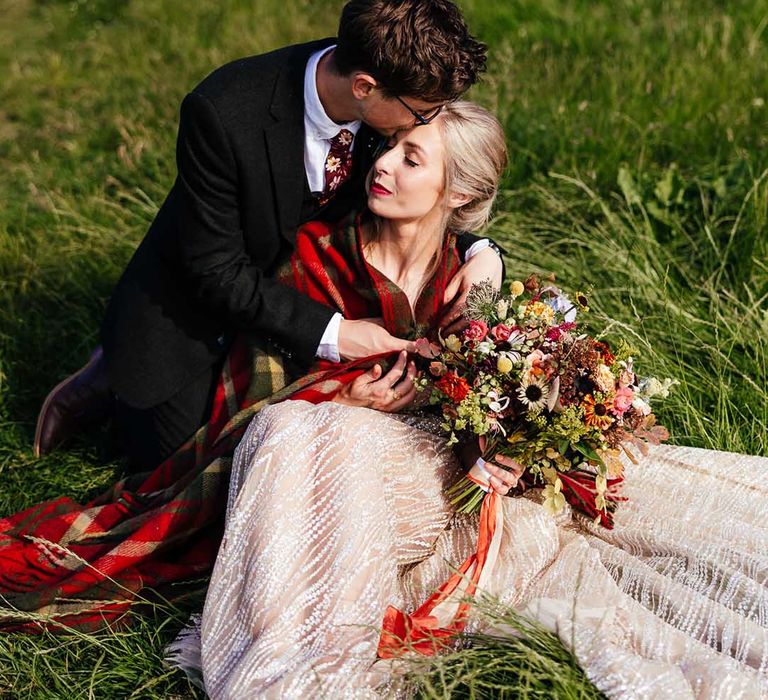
476	156
475	159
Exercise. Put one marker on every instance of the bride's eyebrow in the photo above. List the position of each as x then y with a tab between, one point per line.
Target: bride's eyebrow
414	146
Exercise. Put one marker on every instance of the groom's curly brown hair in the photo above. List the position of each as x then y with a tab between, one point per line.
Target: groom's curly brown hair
417	48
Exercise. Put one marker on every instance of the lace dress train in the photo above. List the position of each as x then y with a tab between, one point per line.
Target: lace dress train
335	513
326	503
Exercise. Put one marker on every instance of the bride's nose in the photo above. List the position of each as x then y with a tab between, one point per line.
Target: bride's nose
383	163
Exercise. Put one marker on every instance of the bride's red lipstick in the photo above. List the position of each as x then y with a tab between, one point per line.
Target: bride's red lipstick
379	189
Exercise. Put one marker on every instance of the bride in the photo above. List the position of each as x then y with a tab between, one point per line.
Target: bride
337	508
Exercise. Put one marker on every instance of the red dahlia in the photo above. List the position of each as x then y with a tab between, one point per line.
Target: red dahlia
453	386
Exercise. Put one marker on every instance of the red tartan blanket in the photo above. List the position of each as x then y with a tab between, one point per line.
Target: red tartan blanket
82	566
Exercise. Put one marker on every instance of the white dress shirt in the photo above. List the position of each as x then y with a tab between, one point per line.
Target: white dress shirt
319	129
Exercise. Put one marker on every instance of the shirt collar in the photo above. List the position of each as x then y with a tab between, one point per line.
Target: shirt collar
319	124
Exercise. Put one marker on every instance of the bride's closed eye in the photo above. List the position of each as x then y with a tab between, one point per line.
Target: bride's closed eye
411	163
389	145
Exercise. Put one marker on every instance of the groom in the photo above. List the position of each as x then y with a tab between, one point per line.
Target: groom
265	144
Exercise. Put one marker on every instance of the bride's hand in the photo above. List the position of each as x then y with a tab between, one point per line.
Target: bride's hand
504	476
504	480
391	392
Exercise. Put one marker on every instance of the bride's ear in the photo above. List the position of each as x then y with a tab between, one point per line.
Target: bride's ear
456	200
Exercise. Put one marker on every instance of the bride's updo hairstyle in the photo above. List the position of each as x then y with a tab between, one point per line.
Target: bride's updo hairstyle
476	156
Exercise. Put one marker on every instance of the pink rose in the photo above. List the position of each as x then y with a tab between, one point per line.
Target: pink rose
476	331
538	363
501	333
622	402
534	358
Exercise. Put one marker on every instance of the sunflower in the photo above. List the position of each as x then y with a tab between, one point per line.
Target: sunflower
533	392
597	412
582	300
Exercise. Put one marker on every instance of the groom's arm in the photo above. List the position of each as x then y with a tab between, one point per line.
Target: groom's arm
222	276
483	260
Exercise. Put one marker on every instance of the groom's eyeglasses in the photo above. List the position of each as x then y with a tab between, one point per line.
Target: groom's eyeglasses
421	119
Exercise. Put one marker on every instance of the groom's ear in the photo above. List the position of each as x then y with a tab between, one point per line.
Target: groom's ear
363	85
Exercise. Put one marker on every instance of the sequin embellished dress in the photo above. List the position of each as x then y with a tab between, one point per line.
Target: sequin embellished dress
335	513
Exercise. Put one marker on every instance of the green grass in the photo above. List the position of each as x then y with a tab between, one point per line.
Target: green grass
515	659
120	664
638	133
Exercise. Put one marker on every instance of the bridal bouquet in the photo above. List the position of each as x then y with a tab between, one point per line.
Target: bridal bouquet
527	380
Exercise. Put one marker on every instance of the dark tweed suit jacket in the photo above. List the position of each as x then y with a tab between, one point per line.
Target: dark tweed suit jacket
204	269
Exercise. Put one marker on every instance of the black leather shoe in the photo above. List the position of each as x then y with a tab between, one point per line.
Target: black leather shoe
81	400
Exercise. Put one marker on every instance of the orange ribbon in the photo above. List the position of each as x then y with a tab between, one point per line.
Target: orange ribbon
421	631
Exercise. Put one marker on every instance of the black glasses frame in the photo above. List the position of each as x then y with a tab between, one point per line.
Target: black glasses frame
421	119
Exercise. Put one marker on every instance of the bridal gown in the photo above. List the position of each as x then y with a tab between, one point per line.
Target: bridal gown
334	513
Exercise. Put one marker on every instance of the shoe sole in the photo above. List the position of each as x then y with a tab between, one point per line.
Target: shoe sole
51	395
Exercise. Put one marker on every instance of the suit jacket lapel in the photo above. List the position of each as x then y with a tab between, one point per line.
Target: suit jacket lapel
285	146
285	138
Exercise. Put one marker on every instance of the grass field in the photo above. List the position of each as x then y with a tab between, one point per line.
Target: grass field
638	132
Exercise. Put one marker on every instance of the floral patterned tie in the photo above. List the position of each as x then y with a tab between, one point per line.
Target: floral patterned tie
338	163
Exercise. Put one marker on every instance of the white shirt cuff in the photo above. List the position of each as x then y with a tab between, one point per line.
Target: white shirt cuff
329	343
476	247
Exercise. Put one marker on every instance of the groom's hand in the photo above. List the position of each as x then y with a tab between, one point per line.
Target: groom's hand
366	337
482	266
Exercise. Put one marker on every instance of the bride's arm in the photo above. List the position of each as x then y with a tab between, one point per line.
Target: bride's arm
487	264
